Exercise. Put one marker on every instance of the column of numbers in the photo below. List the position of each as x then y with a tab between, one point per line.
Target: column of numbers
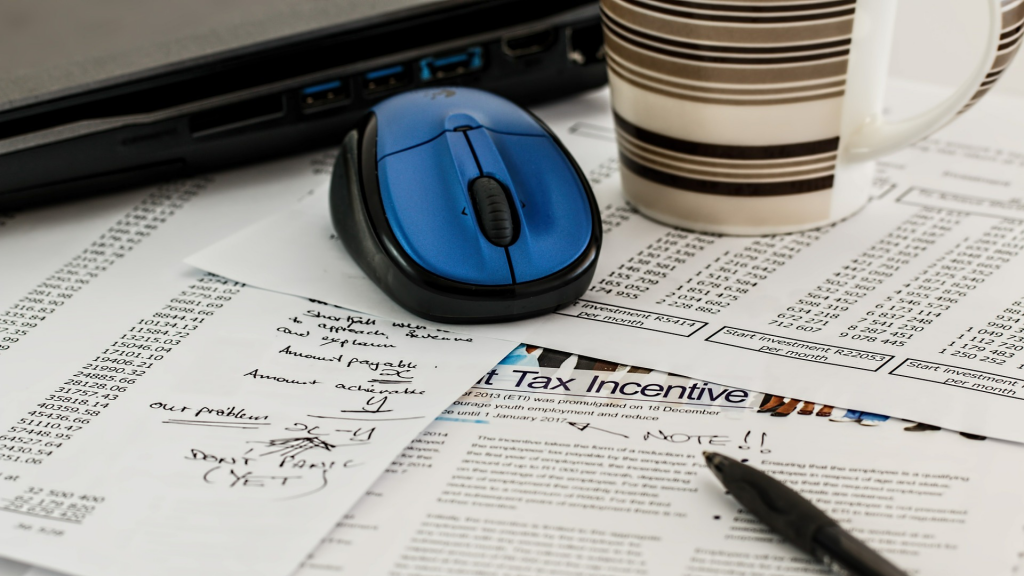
639	274
852	282
86	393
999	341
724	281
20	318
953	276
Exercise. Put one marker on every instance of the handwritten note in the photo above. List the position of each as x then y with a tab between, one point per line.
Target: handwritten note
224	433
158	421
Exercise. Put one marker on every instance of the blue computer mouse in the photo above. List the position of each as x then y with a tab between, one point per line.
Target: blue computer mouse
463	207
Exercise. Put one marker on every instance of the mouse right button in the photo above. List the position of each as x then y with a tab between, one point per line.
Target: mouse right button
556	221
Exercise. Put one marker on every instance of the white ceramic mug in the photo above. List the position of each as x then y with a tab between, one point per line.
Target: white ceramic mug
764	116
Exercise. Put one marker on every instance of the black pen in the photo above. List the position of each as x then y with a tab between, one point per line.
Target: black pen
797	520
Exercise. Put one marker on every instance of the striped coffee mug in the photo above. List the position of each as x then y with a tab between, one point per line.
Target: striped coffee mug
763	116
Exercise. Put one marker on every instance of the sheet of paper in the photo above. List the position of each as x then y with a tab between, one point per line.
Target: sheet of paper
160	421
909	308
543	468
223	443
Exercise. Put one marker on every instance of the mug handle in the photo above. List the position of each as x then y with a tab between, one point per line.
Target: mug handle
876	137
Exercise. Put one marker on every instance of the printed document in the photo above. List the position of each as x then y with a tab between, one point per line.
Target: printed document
157	420
548	465
551	465
911	307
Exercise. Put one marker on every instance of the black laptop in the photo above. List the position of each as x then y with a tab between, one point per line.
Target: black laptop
151	90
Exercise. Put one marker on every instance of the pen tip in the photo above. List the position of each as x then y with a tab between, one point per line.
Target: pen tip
716	462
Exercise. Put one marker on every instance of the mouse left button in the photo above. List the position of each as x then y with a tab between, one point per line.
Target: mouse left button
425	195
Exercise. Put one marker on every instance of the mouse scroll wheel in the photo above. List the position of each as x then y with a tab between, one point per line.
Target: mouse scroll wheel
493	211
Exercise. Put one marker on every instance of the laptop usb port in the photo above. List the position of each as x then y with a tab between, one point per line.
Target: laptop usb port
386	79
324	95
452	65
